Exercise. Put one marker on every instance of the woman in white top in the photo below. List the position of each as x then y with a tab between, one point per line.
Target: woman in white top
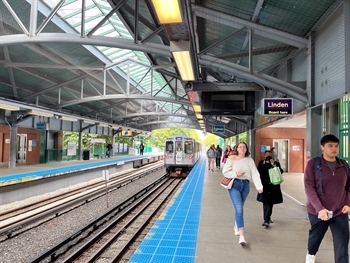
242	168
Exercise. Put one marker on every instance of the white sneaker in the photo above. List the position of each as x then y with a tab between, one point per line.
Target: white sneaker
242	241
310	258
236	231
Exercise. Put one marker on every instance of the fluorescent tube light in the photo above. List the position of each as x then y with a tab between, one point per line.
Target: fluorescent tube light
68	118
7	105
197	108
199	116
40	113
90	121
200	121
182	56
168	11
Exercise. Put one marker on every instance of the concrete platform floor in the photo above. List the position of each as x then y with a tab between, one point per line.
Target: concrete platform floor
285	241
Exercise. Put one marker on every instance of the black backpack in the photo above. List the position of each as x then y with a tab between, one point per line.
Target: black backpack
317	167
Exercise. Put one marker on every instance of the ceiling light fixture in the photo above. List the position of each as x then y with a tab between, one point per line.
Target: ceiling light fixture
65	118
40	113
8	106
182	56
197	108
168	11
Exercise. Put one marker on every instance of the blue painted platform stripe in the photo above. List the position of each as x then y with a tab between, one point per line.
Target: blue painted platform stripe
173	238
66	169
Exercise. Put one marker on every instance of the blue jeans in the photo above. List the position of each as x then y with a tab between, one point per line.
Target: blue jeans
238	194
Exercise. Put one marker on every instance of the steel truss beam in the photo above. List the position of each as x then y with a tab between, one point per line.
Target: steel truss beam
122	96
258	29
263	79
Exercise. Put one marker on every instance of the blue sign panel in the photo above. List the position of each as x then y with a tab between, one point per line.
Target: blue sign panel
277	106
41	126
263	148
33	143
218	129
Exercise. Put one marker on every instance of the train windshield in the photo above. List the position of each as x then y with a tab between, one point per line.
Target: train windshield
188	147
169	146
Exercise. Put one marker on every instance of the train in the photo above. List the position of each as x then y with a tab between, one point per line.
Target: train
181	153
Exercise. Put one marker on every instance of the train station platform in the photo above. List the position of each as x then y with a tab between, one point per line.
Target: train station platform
26	181
198	226
30	172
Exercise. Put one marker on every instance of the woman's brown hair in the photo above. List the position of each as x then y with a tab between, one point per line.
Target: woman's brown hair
247	153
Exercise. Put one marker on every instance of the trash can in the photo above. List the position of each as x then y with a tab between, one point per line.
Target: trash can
86	155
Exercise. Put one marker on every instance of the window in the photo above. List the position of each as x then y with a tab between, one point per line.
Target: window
188	147
169	146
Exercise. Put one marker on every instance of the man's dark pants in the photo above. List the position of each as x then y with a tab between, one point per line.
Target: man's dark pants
340	231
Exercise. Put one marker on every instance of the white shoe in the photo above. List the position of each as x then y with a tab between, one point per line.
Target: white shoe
236	231
310	258
242	241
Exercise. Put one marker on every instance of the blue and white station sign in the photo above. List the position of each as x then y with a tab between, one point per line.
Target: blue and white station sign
218	129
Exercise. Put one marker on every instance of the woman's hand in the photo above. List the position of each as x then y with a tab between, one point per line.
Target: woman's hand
240	173
260	191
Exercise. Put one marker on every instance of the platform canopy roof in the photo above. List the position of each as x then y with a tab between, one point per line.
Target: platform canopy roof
110	60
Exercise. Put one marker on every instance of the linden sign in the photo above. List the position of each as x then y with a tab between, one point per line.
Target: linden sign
277	106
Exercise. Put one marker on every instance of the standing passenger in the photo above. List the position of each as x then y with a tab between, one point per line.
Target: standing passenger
242	168
218	154
142	147
272	193
211	157
328	200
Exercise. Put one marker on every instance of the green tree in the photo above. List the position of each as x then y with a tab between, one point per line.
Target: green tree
74	137
211	139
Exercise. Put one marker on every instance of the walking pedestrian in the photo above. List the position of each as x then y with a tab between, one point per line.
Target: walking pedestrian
272	193
327	187
218	153
211	157
241	167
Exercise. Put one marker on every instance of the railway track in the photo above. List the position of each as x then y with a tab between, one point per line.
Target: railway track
111	237
24	218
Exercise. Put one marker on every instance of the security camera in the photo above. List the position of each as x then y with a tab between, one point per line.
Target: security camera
188	86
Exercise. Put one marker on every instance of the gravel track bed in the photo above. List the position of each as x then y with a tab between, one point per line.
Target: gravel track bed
29	245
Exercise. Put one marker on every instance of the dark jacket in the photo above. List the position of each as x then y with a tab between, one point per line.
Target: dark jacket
335	186
272	194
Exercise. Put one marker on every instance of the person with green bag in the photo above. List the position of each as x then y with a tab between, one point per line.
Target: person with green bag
272	193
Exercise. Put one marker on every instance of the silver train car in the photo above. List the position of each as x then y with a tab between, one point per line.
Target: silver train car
180	155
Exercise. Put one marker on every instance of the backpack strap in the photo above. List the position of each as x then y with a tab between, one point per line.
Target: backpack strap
317	167
346	166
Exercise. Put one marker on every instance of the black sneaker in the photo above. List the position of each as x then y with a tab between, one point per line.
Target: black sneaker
266	224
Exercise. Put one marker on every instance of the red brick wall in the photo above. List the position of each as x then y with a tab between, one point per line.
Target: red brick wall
296	137
33	157
32	134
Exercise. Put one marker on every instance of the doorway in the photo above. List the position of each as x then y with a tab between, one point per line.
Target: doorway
282	151
21	148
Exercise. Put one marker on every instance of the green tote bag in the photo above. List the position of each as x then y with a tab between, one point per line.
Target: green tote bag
276	177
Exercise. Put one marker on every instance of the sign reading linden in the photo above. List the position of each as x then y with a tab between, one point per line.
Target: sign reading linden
277	106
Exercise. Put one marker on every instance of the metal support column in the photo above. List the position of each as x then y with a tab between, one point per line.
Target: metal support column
13	142
251	142
80	144
313	131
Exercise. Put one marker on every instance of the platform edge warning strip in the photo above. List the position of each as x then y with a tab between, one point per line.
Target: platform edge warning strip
173	238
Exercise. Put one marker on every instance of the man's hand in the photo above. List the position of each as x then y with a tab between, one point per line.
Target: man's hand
260	191
346	209
323	214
